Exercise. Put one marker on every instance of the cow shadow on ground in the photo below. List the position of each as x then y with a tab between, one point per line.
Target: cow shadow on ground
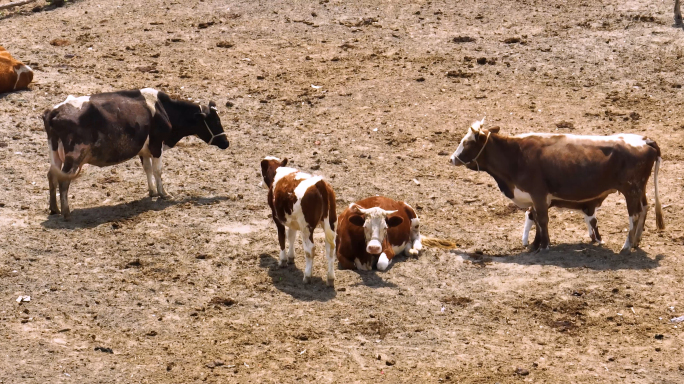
581	255
373	278
289	280
94	216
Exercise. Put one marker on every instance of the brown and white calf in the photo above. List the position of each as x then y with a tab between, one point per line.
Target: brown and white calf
538	170
110	128
14	75
300	202
372	231
587	207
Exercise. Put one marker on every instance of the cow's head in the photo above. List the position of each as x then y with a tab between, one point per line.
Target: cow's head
472	145
209	126
375	222
269	167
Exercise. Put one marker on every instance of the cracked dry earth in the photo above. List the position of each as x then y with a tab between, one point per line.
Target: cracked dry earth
371	95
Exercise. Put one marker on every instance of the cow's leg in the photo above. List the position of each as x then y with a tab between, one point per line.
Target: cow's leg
677	14
529	220
157	169
592	224
415	245
541	210
309	249
147	166
385	258
291	238
634	211
282	261
329	252
53	183
642	221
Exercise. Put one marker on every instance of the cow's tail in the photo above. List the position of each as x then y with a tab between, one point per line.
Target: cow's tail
74	172
437	243
660	222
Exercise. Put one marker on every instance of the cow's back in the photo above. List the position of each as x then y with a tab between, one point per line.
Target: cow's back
596	164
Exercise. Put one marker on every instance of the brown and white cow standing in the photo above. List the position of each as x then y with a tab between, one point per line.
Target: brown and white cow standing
14	75
372	231
109	128
300	202
536	170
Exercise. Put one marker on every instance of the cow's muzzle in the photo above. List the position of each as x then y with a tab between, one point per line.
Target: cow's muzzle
374	247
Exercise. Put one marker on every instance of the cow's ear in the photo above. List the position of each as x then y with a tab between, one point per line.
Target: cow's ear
494	129
264	167
475	132
212	105
394	221
357	220
284	162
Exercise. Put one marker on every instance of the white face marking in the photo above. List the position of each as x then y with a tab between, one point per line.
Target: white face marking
526	230
272	158
383	262
19	71
470	136
150	96
76	102
626	138
375	228
521	199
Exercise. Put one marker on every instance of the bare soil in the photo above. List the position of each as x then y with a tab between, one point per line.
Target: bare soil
373	95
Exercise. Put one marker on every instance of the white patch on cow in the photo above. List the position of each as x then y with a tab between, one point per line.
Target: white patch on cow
306	183
628	244
145	150
360	266
627	138
19	71
157	169
291	238
271	158
308	251
417	245
76	102
526	230
302	175
587	220
383	262
282	172
521	199
150	95
149	172
56	157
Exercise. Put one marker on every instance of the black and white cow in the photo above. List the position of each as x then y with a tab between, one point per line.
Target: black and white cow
110	128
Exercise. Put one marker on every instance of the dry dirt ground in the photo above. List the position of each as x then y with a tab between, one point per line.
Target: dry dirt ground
187	290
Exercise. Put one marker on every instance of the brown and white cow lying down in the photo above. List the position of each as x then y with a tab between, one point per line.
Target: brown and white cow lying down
14	75
110	128
536	170
587	207
300	202
372	231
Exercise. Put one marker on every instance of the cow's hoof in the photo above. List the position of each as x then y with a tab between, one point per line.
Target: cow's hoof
413	252
67	217
55	212
166	196
307	279
625	250
154	194
330	282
